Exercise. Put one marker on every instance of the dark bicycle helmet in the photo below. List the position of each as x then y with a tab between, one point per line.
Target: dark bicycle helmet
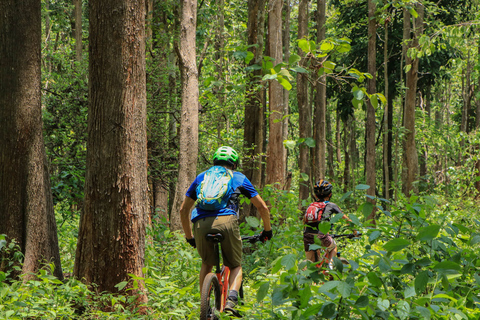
226	154
322	188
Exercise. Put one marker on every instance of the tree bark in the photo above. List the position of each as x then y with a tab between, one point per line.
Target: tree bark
275	148
286	93
188	138
26	205
111	239
386	128
320	108
254	100
304	113
410	173
78	30
370	172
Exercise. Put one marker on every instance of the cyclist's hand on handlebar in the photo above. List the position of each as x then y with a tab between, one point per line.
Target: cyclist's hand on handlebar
192	242
266	235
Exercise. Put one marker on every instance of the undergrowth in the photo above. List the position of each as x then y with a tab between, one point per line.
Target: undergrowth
421	261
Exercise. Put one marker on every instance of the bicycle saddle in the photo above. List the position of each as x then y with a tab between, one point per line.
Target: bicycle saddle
216	237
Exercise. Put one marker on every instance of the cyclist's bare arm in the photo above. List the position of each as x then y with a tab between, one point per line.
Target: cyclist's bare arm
263	210
185	216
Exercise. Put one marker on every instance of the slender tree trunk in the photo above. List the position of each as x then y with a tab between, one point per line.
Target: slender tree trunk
111	239
477	126
26	205
286	93
386	128
219	47
347	154
78	29
149	25
330	151
320	108
160	199
275	148
188	138
304	114
410	151
370	123
254	100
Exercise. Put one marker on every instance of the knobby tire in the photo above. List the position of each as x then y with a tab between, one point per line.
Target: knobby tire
210	303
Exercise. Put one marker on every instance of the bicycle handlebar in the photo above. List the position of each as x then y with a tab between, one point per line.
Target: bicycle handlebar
252	239
347	235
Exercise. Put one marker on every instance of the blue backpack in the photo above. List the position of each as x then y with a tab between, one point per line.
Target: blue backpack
216	189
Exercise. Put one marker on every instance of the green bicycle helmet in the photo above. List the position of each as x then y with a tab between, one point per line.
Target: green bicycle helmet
226	154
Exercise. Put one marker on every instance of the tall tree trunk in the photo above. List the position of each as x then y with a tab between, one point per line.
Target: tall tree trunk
275	148
347	154
304	114
188	139
111	239
477	125
26	205
219	47
330	151
254	110
320	108
286	93
370	123
78	29
149	25
410	151
386	128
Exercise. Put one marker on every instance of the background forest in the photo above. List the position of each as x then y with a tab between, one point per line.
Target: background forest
380	97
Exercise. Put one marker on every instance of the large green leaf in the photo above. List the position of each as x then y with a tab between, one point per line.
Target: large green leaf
447	267
421	281
294	58
396	244
329	310
304	45
428	233
262	291
288	261
285	83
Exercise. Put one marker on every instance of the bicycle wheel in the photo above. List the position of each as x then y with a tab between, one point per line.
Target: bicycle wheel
211	298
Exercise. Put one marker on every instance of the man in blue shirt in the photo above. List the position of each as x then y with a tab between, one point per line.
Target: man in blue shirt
224	221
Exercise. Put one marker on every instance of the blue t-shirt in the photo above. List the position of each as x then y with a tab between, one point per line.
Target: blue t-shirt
240	184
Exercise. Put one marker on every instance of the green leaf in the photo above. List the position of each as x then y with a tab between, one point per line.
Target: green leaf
326	46
424	312
269	77
299	69
286	74
304	176
329	310
396	244
288	261
324	227
121	285
367	209
362	187
428	233
310	142
329	65
374	236
408	67
374	101
249	57
358	94
304	45
290	144
447	267
253	222
336	218
312	310
413	12
262	291
294	58
338	264
421	281
362	302
285	83
409	292
374	279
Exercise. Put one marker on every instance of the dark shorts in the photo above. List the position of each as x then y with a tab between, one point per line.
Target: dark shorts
326	240
231	245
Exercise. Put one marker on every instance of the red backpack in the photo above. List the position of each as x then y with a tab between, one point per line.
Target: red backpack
314	212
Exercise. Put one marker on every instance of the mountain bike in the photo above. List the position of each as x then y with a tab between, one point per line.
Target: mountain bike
325	259
216	284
